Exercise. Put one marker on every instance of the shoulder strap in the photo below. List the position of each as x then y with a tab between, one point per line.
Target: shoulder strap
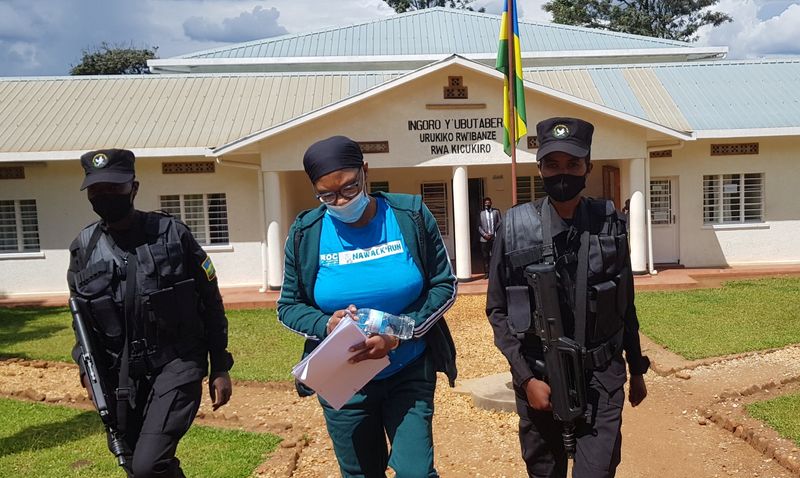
88	241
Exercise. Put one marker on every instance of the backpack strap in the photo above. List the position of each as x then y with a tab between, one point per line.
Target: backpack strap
522	235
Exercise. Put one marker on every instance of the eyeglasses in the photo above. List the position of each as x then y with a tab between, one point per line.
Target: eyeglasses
348	192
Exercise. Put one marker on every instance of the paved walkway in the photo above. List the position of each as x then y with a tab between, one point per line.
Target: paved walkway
665	279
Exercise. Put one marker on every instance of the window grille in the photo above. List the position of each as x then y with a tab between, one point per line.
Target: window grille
455	89
12	172
19	226
195	167
667	153
205	214
734	149
435	197
524	190
661	202
379	186
733	198
371	147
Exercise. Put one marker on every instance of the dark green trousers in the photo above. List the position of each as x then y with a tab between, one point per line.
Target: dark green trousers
399	407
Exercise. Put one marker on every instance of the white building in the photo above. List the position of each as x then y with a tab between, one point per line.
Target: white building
708	145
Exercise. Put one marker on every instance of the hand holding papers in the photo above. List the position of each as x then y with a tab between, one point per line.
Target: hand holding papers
328	371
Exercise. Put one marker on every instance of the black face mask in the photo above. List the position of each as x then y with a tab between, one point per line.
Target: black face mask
563	187
112	207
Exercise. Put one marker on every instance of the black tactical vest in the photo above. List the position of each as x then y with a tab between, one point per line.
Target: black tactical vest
608	280
162	321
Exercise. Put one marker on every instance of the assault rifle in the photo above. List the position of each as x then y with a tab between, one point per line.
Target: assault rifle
563	357
99	389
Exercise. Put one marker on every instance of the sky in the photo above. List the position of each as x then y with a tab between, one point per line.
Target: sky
46	37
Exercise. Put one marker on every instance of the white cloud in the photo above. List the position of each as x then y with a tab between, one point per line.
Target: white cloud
260	23
750	36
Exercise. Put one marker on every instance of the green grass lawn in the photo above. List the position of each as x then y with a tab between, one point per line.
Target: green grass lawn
264	349
782	414
47	441
741	316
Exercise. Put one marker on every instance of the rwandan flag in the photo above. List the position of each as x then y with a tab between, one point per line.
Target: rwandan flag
519	91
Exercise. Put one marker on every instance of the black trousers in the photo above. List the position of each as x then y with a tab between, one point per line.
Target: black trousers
486	252
598	438
156	425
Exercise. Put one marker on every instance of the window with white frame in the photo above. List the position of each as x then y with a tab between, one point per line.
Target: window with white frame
205	214
19	226
434	195
733	198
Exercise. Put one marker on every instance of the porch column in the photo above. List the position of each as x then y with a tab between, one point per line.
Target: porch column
272	218
461	222
637	220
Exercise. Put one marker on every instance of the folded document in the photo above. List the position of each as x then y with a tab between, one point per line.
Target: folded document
327	370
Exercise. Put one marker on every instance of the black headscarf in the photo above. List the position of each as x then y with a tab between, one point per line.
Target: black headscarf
332	154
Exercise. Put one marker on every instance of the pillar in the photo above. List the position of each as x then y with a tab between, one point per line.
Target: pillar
461	223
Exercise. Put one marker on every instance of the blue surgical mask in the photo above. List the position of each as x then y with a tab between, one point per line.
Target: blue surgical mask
352	210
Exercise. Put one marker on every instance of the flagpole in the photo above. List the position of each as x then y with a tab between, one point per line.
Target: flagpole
512	80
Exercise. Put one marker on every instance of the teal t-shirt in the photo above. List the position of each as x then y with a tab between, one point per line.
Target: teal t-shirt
369	266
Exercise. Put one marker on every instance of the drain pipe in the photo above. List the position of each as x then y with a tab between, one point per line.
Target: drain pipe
255	167
672	146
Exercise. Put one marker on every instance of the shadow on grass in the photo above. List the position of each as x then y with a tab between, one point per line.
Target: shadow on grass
18	325
50	435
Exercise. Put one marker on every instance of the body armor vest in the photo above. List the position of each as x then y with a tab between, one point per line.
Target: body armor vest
608	277
163	318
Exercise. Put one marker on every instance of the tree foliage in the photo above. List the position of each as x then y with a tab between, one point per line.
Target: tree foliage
114	60
670	19
402	6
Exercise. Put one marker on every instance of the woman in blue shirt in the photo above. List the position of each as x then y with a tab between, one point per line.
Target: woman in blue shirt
381	251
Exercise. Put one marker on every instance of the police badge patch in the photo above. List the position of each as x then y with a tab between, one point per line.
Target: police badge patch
560	131
100	160
208	267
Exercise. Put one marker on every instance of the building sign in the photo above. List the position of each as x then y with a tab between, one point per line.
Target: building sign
457	135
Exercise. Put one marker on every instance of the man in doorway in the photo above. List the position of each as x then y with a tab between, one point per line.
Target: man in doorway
487	227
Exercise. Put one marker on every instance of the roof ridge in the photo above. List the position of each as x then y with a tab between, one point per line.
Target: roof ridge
201	75
285	36
428	11
758	61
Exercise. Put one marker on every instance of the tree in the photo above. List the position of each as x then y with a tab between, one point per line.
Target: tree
402	6
670	19
114	60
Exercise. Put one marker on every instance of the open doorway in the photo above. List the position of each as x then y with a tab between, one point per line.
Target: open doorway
476	188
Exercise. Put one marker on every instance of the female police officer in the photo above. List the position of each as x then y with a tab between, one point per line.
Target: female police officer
149	294
587	245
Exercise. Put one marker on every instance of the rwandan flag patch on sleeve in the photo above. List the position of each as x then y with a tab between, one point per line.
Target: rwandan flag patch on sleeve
208	267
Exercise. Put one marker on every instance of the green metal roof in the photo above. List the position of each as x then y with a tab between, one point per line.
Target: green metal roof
720	95
433	31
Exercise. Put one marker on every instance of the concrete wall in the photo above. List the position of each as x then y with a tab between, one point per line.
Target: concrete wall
63	211
774	240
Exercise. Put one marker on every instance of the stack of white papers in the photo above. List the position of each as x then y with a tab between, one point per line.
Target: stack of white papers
328	371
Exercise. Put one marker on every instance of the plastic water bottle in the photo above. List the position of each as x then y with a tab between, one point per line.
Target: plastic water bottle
374	321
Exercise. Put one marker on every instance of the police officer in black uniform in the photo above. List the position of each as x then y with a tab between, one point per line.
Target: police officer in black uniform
600	298
150	295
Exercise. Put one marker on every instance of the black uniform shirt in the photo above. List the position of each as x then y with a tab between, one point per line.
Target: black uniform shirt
211	309
520	353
